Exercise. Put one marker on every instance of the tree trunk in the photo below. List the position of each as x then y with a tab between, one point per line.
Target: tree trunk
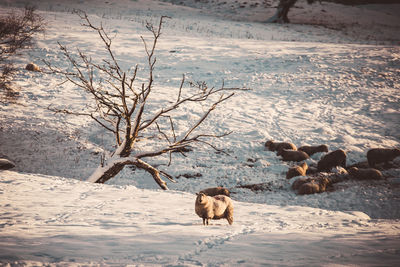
104	173
281	15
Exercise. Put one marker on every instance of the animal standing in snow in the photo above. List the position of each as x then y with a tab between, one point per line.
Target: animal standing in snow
292	155
214	191
277	146
214	208
365	174
381	155
310	150
332	159
297	171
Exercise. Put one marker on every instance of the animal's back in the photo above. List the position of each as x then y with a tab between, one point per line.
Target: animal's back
214	191
223	208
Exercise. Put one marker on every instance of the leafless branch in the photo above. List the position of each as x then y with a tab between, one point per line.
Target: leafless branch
17	30
120	104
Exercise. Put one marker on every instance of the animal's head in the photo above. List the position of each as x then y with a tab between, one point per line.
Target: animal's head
341	152
225	192
268	144
323	148
352	170
201	198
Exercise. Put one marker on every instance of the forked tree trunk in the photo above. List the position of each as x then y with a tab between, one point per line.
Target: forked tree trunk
114	165
104	173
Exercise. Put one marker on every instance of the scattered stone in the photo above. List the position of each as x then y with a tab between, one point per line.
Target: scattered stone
189	175
32	67
256	187
6	164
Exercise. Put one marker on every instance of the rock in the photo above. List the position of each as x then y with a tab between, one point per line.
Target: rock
5	164
32	67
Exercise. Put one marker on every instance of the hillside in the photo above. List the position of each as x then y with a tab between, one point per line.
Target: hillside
331	77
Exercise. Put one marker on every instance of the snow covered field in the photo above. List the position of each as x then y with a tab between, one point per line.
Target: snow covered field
67	222
332	78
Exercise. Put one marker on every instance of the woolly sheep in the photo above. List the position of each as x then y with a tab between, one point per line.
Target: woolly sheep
314	186
297	171
311	185
213	191
309	188
332	159
300	181
276	146
381	155
365	174
215	208
310	150
293	155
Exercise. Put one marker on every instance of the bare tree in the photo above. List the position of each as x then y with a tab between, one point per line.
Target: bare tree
281	15
16	32
119	107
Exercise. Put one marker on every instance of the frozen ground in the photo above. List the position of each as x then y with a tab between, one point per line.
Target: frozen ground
66	222
332	78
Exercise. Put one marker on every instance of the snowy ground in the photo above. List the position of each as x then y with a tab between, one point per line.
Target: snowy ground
64	221
313	82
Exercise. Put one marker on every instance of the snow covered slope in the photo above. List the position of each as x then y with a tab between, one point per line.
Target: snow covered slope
311	83
343	95
67	222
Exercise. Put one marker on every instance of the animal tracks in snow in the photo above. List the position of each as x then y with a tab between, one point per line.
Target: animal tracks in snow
214	241
157	226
